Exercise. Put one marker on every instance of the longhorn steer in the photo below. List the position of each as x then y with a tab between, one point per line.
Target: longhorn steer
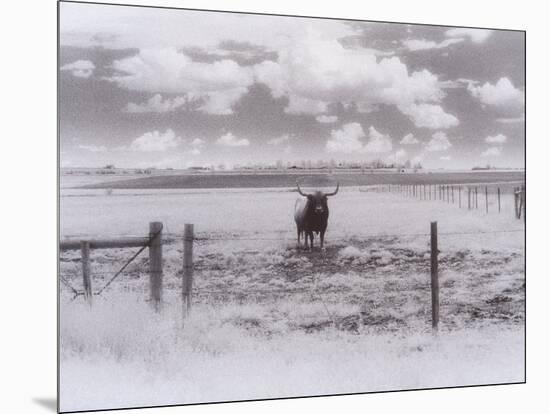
311	215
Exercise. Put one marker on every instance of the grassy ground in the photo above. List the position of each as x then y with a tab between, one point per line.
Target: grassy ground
270	320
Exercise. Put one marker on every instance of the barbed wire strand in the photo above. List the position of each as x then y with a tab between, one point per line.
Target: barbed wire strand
76	293
319	296
358	237
66	283
128	262
173	238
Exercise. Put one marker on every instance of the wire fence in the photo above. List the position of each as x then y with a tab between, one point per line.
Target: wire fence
487	197
137	270
87	291
326	295
355	237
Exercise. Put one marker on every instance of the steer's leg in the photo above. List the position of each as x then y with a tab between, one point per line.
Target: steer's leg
311	240
322	236
298	230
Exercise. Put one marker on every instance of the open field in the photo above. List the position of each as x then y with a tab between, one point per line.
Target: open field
269	180
273	320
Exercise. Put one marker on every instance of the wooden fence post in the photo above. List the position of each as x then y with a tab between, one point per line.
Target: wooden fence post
519	203
87	281
486	201
516	201
469	198
187	285
434	276
459	197
523	203
476	197
155	263
498	196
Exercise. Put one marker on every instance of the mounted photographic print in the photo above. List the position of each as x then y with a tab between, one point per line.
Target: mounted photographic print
259	206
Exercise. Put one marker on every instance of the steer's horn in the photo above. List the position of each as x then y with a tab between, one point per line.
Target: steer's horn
335	191
299	189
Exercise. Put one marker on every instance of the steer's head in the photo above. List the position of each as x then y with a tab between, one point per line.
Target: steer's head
318	200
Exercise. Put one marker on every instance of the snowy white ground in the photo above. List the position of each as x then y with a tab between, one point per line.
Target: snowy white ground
272	321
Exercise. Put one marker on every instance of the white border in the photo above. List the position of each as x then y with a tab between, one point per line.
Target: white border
28	305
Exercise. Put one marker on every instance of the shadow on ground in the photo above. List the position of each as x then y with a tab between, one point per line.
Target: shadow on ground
49	403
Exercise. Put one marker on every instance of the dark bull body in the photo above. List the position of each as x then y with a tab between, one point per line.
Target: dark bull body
311	215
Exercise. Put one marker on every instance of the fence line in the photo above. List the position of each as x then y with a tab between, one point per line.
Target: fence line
154	243
377	236
444	192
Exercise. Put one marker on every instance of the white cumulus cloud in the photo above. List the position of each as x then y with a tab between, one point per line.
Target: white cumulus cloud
326	119
398	157
93	148
280	139
496	139
80	68
197	143
156	141
501	95
229	140
429	116
492	152
409	139
157	104
347	139
220	84
422	44
475	35
313	72
378	142
439	142
196	146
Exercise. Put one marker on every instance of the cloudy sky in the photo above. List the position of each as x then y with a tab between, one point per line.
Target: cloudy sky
143	87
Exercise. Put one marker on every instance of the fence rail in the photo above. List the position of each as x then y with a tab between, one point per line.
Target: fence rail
153	242
120	242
